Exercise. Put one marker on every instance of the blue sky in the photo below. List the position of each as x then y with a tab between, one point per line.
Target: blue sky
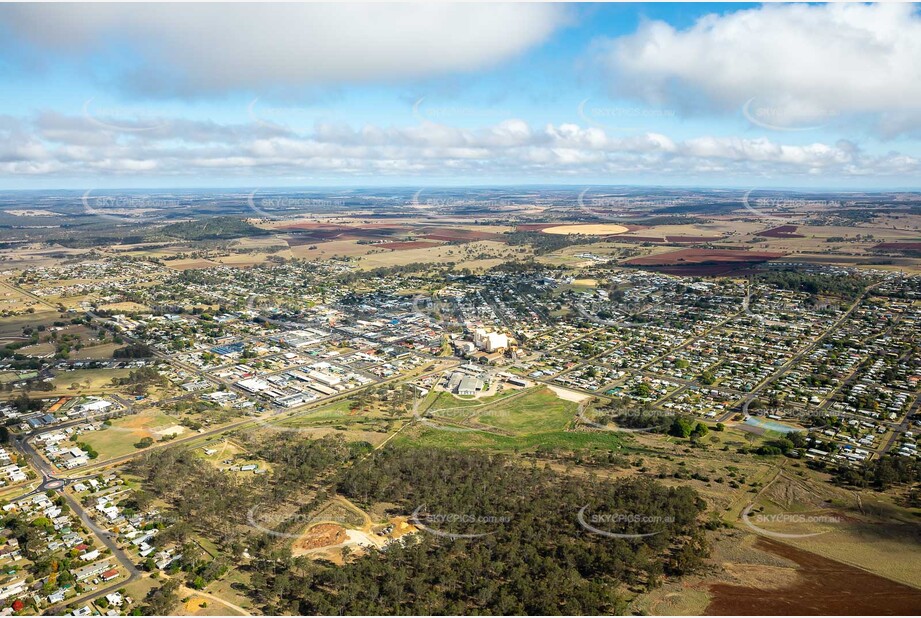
739	95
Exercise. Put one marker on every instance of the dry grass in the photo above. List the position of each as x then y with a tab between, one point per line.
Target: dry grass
590	229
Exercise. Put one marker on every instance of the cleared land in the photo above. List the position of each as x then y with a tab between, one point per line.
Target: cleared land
119	439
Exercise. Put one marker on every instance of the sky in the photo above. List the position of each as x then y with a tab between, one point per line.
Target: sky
313	95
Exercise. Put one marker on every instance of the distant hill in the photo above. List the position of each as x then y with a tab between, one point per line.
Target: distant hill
213	228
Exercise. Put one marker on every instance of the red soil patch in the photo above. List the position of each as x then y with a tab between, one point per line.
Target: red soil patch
824	587
534	227
702	262
318	232
784	231
314	226
640	238
691	239
376	231
321	535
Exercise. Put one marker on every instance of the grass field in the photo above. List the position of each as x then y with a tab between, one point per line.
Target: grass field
444	400
474	255
119	439
12	326
96	352
874	533
531	420
538	411
90	380
554	440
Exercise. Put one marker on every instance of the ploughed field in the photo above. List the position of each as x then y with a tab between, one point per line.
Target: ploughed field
822	587
702	262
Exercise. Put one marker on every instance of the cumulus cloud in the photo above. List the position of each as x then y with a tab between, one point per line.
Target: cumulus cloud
182	49
789	66
51	144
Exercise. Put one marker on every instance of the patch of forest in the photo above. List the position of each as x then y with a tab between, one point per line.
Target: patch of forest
844	285
534	557
212	228
525	550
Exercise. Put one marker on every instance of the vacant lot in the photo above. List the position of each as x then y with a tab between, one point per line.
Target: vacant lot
119	439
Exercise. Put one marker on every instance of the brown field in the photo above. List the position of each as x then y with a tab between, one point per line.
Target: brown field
96	352
480	254
821	587
534	227
692	239
124	306
189	264
640	239
243	260
783	231
317	232
702	262
913	247
345	248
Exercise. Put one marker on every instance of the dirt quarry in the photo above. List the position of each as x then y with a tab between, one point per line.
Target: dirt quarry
319	536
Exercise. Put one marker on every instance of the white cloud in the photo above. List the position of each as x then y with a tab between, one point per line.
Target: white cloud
64	146
794	65
216	48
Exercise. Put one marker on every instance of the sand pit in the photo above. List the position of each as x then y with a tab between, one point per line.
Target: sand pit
174	430
568	395
589	229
